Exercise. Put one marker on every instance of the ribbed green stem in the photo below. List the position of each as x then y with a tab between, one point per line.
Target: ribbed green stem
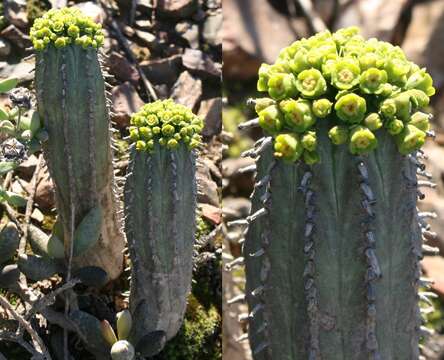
72	104
160	210
329	229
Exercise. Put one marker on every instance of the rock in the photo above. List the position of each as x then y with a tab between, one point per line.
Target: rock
254	32
15	13
212	29
211	111
22	71
207	189
201	64
5	48
16	36
235	208
26	168
146	37
190	32
44	195
37	215
235	182
230	167
433	266
177	8
213	4
144	24
187	90
122	69
126	101
424	40
93	10
163	71
211	213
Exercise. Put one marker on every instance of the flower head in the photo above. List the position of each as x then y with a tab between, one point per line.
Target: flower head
288	147
338	134
345	74
351	108
297	114
166	123
420	120
410	139
311	84
64	27
362	141
322	108
270	119
421	80
372	81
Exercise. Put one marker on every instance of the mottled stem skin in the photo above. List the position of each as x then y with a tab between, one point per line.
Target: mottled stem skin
160	211
342	326
72	104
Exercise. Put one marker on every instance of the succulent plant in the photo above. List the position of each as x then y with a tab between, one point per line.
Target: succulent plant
74	112
160	211
334	238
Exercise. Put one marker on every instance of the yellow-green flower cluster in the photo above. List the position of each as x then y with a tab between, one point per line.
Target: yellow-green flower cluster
361	86
167	123
65	27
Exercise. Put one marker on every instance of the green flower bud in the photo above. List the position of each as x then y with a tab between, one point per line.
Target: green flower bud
311	84
387	90
418	98
311	157
57	26
168	130
145	133
140	145
373	121
394	126
73	31
124	324
338	134
297	114
345	74
372	80
264	76
288	147
134	134
281	86
122	350
410	139
403	106
262	103
421	80
108	332
60	42
270	119
388	108
322	108
152	120
397	70
299	62
362	141
156	130
172	144
421	121
150	145
309	141
351	108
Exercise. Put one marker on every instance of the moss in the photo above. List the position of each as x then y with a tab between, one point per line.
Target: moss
199	338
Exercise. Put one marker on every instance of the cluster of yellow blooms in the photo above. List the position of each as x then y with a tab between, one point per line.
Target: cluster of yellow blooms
167	123
65	27
360	85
